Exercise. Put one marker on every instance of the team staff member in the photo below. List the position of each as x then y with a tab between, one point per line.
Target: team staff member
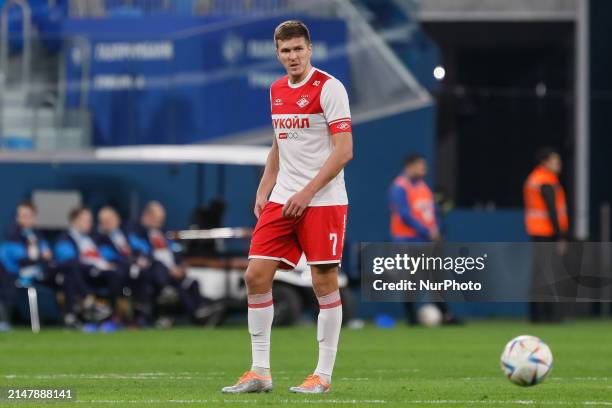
413	217
167	271
76	252
301	205
27	258
546	220
114	246
545	205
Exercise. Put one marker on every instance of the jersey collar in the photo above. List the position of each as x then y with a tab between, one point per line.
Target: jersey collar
303	81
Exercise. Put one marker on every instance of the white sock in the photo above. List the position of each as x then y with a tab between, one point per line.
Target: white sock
260	315
328	333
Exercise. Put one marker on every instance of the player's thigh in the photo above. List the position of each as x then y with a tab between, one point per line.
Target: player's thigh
320	233
274	238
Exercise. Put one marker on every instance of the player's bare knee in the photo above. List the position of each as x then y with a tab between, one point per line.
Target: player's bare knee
324	279
257	281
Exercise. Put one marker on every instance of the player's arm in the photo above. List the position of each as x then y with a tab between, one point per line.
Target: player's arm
341	154
268	180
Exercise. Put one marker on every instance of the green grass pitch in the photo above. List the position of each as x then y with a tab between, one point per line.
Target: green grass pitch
186	367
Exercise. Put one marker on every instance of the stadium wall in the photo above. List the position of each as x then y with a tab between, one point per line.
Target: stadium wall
380	146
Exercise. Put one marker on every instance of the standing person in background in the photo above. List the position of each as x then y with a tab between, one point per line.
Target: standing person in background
413	217
546	220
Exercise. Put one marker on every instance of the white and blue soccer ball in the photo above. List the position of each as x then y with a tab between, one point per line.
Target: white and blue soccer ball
526	360
429	315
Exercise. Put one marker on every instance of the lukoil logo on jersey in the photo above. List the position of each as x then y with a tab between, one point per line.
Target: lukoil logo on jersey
302	102
294	122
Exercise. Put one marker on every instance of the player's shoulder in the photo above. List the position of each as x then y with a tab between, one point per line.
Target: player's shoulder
280	83
325	78
330	84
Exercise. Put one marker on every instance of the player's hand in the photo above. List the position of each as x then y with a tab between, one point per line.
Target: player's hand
260	203
295	206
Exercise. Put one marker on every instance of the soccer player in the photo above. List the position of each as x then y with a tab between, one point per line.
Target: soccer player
301	205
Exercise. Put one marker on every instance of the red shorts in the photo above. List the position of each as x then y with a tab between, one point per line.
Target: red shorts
319	233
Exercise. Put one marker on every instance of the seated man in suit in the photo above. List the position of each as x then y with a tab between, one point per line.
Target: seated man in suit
27	259
168	272
75	250
114	246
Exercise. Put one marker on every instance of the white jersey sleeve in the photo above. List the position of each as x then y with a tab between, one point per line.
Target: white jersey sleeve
335	105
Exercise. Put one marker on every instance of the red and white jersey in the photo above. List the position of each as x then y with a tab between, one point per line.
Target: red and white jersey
304	116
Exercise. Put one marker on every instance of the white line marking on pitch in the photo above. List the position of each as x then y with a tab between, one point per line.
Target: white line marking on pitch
232	401
121	376
355	401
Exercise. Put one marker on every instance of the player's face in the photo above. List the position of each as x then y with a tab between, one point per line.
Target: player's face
295	54
25	217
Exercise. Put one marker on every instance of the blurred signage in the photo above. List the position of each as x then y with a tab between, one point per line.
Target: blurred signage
174	80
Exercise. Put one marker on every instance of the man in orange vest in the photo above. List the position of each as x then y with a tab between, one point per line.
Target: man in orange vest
545	221
545	206
413	217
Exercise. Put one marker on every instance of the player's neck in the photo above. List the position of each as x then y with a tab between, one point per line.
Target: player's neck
296	80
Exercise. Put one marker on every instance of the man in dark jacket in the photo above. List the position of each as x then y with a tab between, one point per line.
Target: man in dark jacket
114	246
76	251
168	272
28	260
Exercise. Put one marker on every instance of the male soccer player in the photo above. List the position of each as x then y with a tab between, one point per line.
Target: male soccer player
301	205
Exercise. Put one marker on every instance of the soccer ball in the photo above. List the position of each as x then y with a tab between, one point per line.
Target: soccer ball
429	315
526	360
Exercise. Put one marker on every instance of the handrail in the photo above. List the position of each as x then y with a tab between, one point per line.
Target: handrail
26	33
4	45
84	47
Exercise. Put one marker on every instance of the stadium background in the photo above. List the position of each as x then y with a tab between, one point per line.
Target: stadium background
98	74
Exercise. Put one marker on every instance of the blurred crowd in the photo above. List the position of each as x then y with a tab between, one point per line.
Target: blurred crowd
111	276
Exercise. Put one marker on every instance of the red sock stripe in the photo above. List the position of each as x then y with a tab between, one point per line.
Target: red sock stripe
331	305
260	305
